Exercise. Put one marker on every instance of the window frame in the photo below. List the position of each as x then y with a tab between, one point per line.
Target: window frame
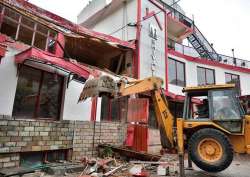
33	29
230	82
206	80
176	72
37	101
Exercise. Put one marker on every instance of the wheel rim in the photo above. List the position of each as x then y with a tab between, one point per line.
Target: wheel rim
210	150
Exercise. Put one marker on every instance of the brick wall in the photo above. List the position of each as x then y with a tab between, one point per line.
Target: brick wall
18	136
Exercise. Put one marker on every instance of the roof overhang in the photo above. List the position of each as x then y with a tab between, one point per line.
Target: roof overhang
38	56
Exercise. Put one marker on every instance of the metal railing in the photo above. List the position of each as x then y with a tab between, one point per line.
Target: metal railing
211	54
190	51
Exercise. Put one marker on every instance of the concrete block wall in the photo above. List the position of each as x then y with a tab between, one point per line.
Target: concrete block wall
104	132
17	136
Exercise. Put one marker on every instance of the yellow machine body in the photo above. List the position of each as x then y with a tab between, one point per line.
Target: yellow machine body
185	128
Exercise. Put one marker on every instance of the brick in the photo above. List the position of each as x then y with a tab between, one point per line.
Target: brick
47	129
26	148
24	134
38	129
41	143
3	122
10	144
4	159
15	149
3	133
21	144
16	138
36	148
18	129
36	138
9	164
54	147
16	158
46	138
29	129
44	133
34	123
24	123
27	139
45	148
34	134
58	142
4	139
13	123
4	149
12	133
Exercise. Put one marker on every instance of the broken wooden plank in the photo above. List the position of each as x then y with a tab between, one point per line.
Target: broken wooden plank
113	171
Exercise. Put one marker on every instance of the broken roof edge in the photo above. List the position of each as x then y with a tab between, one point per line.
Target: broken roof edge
38	55
64	23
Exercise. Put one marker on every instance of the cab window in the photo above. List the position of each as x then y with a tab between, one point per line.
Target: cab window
225	105
197	106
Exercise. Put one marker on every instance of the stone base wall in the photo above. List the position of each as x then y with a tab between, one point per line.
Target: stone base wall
17	136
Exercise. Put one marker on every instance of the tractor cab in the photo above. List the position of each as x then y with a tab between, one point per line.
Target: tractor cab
214	103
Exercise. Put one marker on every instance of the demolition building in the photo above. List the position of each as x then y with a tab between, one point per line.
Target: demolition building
45	61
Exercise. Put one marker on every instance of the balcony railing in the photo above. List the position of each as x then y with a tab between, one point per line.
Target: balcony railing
190	51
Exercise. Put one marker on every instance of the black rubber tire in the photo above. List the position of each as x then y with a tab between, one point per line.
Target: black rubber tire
221	138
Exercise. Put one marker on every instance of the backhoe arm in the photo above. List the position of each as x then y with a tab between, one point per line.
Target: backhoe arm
106	85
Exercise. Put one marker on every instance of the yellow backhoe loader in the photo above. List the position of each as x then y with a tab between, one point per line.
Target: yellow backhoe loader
213	126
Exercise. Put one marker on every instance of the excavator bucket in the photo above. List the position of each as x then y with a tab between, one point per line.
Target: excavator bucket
104	85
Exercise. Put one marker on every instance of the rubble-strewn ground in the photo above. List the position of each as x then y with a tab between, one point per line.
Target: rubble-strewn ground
239	168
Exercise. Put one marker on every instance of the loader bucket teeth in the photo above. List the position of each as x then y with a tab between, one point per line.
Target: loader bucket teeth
97	87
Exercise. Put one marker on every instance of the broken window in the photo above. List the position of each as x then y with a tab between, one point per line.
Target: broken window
34	159
26	30
111	109
38	94
10	22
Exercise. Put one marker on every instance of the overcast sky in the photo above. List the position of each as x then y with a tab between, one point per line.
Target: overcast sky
225	23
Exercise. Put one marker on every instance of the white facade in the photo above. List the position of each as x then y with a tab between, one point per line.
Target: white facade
8	82
146	42
192	80
113	22
70	110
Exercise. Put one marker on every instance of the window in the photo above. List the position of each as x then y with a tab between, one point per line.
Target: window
24	29
225	105
176	72
28	159
38	94
112	109
233	79
198	106
205	76
227	110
